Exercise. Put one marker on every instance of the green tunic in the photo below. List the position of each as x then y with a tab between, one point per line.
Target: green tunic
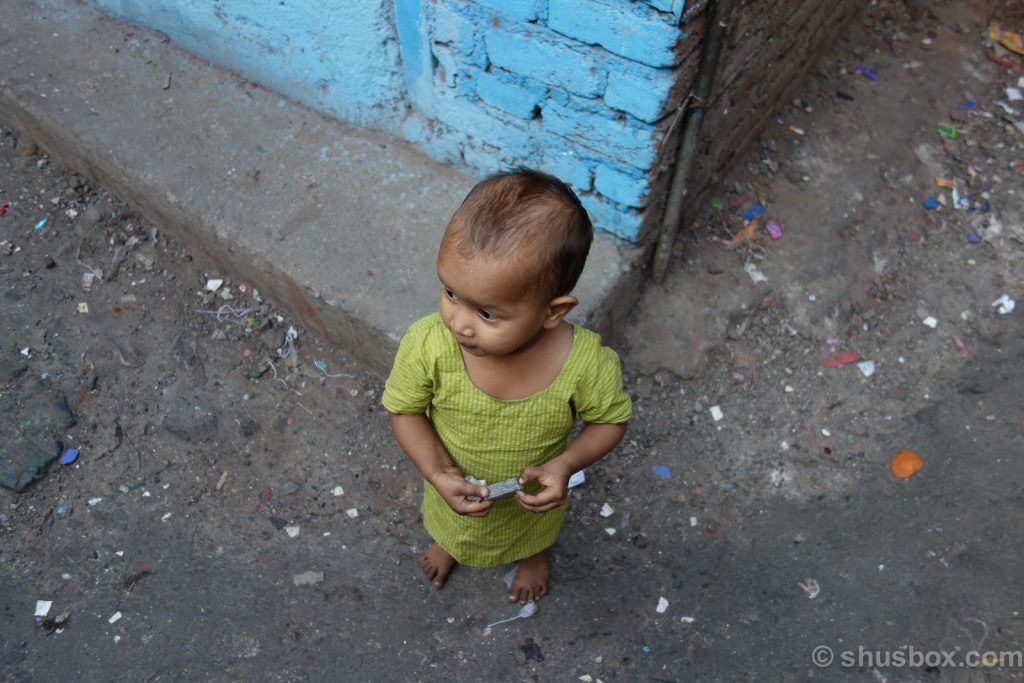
493	439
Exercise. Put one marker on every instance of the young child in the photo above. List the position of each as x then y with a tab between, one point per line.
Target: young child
491	386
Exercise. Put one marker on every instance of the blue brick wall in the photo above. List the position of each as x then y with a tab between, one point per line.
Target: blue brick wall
630	29
575	87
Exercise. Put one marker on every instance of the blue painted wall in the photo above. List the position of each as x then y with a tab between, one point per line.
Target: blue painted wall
575	87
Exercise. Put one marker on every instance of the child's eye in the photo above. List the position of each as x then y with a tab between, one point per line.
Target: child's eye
450	294
486	315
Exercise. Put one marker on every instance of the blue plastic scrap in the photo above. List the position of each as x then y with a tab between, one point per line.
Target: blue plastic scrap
975	201
930	203
754	211
974	237
70	455
662	472
40	224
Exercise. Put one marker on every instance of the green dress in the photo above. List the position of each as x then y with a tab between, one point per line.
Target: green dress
493	439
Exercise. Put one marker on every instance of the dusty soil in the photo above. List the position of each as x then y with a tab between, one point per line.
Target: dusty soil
220	462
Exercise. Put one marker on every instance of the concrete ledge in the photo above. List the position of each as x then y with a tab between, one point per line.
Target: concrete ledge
337	225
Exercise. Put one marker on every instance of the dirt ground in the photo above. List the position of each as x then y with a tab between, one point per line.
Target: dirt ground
239	511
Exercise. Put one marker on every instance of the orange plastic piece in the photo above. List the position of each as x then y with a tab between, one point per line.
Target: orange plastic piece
748	233
905	464
945	182
1007	39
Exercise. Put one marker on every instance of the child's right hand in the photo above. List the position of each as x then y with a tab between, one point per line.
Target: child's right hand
454	488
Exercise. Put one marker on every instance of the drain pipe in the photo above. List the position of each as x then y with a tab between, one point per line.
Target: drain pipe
718	13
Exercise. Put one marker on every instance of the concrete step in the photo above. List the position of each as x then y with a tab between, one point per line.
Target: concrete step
335	224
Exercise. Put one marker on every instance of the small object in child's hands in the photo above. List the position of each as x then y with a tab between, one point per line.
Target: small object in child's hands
502	489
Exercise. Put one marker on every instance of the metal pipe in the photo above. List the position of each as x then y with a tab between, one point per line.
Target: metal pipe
718	13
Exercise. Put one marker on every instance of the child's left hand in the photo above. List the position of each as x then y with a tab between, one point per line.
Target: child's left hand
554	481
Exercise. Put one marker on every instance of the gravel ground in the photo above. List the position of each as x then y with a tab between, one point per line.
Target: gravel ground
239	510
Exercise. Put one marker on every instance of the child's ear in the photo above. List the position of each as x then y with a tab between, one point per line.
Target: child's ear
558	309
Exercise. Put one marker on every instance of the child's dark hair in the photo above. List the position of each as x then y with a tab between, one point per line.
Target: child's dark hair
523	210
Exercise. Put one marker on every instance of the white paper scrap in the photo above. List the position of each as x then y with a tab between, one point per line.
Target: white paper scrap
352	512
716	413
114	617
866	367
811	587
662	605
607	510
43	607
931	322
577	479
755	273
1004	304
292	531
338	491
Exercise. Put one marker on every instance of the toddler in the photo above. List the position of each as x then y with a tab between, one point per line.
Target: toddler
490	386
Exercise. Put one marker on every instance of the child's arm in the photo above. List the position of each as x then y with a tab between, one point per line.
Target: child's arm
593	443
416	436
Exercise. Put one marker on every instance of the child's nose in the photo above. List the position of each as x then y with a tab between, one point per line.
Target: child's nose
462	322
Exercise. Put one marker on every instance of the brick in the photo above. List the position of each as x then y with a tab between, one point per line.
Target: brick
548	62
639	90
619	26
596	130
447	68
481	125
519	10
673	7
626	187
568	167
511	95
450	26
610	218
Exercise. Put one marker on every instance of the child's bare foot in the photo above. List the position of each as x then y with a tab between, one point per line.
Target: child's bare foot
437	564
531	580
